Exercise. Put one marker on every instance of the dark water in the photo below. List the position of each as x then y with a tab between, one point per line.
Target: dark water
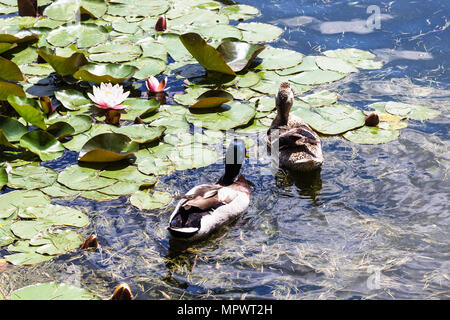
374	223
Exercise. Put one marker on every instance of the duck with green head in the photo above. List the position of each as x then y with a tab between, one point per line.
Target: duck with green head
207	207
299	147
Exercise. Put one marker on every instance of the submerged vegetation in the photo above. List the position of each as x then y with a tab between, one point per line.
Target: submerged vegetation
92	77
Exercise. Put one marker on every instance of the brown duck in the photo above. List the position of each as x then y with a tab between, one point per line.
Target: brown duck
299	147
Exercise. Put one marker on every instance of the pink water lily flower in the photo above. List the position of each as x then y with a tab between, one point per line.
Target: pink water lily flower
108	96
154	85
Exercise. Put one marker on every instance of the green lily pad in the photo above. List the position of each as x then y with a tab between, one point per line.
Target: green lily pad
36	69
72	99
212	99
6	235
15	36
254	126
192	156
141	133
12	201
247	80
28	229
29	110
147	67
56	215
349	54
80	123
27	254
335	64
4	140
238	55
139	108
3	178
129	174
86	179
174	46
255	32
31	177
317	77
371	135
83	34
208	56
7	89
98	73
144	201
114	52
276	58
239	11
137	8
98	196
228	116
95	8
413	112
63	65
10	70
12	129
62	10
52	291
4	46
120	188
320	98
43	144
56	242
61	130
331	120
308	64
57	190
108	147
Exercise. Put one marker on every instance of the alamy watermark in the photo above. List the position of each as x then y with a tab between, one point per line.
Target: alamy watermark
374	20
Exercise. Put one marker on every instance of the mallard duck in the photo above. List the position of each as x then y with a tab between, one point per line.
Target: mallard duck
207	207
299	147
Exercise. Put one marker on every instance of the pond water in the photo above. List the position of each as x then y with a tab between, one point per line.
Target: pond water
373	223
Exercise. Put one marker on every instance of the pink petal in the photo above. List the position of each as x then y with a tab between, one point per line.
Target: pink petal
162	85
152	84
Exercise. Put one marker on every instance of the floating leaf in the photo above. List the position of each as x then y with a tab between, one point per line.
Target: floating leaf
56	215
3	178
6	235
239	11
238	55
256	32
95	8
57	190
139	108
52	291
62	10
56	242
147	67
98	73
228	116
63	65
7	89
80	123
12	201
29	229
12	129
212	99
308	64
72	99
320	98
79	178
317	77
43	144
144	201
61	130
414	112
335	64
371	135
120	188
85	35
29	110
335	119
141	133
27	254
31	177
129	174
276	58
115	52
108	147
10	71
206	55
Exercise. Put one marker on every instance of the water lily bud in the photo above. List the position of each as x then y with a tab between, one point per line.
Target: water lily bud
372	120
91	243
161	24
122	292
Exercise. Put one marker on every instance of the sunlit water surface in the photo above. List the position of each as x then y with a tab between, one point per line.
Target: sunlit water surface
374	223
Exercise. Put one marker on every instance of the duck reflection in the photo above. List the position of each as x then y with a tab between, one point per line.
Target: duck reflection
308	183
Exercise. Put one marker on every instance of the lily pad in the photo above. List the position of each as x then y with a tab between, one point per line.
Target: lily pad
43	144
208	56
108	147
331	120
129	174
64	66
98	73
26	255
7	89
29	110
28	229
144	201
317	77
228	116
61	130
55	242
11	202
276	58
52	291
6	235
320	98
371	135
56	215
139	108
239	11
31	177
62	10
192	156
83	34
238	55
141	133
12	129
256	32
335	64
80	123
212	99
308	64
413	112
3	177
79	178
72	99
57	190
10	70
